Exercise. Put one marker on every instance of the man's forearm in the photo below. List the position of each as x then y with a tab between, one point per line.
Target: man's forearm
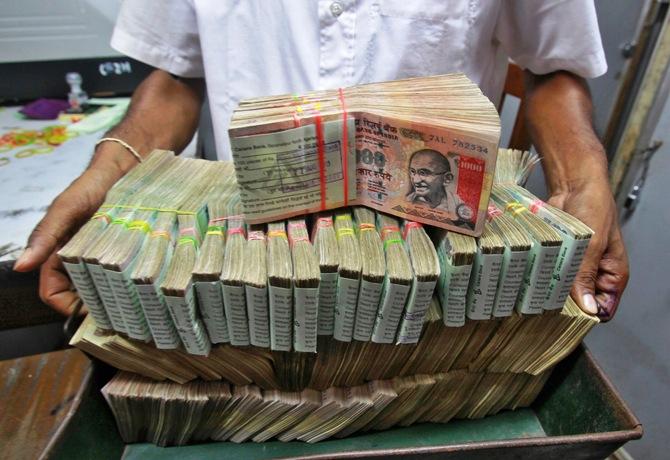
559	114
163	113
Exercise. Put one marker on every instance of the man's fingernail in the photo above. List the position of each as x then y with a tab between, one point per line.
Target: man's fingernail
23	258
590	303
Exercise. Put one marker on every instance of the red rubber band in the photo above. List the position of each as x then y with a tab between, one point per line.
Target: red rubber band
493	212
221	219
236	231
292	241
321	222
324	222
408	226
389	229
535	206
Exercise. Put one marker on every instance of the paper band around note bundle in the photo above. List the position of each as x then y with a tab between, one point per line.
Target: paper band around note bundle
318	124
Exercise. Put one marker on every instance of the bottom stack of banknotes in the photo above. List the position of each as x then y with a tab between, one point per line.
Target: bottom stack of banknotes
318	326
167	413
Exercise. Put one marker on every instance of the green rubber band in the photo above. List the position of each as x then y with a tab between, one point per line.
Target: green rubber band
392	241
188	239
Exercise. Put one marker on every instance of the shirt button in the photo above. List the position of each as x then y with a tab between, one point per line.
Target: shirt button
336	8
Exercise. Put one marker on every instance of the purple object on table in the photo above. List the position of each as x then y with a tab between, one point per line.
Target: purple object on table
45	109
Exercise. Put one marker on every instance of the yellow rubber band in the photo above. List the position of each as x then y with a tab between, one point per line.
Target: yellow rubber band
147	208
515	207
160	234
277	233
345	231
142	225
215	228
367	227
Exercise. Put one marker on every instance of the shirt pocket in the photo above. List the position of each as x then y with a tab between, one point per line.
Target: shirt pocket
418	37
423	10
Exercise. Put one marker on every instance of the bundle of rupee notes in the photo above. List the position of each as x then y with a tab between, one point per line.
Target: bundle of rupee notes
335	319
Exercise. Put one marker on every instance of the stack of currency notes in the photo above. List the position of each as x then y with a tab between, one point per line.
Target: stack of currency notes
167	413
181	267
519	343
422	149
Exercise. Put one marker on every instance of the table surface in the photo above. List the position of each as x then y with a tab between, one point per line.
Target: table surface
29	183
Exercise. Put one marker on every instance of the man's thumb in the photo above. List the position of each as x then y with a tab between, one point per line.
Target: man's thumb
583	289
42	242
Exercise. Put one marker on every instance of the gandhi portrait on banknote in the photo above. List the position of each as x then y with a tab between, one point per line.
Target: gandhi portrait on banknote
432	181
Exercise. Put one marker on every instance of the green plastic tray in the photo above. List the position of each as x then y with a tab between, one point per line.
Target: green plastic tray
579	415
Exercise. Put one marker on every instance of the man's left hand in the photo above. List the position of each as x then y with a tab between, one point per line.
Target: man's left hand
603	274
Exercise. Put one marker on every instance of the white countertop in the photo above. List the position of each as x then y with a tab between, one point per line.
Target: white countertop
28	185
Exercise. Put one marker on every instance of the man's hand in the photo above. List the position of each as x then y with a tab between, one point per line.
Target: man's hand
163	114
559	114
603	275
69	211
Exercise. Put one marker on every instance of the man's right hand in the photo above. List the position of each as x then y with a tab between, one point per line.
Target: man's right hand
69	211
163	113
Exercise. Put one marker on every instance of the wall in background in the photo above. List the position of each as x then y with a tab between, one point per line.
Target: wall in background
37	30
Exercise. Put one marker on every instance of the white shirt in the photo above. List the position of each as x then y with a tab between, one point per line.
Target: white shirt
263	47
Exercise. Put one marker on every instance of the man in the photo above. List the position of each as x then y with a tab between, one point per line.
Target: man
257	47
431	179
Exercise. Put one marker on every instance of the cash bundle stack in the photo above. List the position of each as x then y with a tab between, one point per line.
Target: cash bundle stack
335	299
422	149
167	413
180	267
132	262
